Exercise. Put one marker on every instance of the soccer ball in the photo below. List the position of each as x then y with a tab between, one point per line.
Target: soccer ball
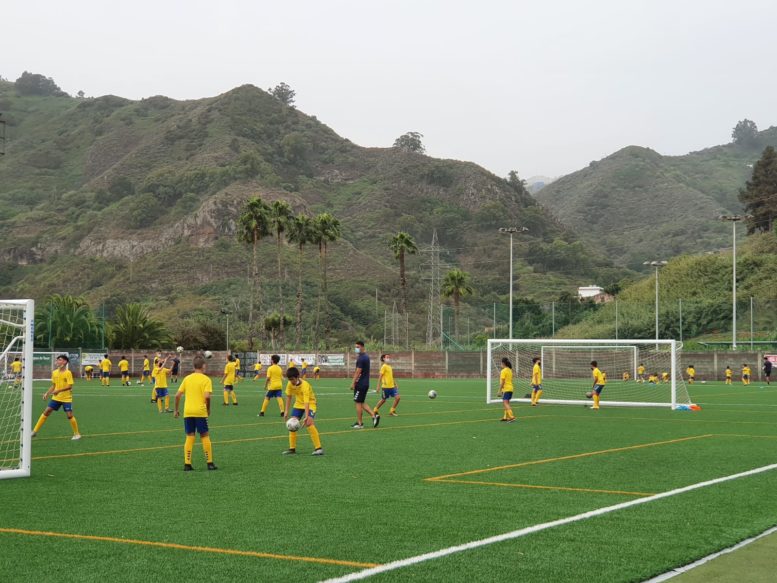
432	394
292	424
589	394
704	382
179	349
207	354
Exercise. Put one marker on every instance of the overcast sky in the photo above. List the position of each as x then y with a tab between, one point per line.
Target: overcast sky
542	87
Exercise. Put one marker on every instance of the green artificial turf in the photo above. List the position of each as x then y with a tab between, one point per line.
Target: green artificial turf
369	499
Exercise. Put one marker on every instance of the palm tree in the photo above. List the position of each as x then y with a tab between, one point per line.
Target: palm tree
300	232
400	244
326	229
133	327
66	322
273	324
252	225
280	215
456	286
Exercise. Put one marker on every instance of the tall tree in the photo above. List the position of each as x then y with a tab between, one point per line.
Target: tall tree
66	322
300	233
273	324
133	327
456	285
760	193
252	225
280	215
326	229
410	142
400	244
283	93
745	132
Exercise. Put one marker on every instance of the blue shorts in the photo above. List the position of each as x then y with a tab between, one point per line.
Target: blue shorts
300	413
161	393
228	387
274	393
125	373
536	387
598	389
388	393
106	375
507	395
68	407
192	424
146	373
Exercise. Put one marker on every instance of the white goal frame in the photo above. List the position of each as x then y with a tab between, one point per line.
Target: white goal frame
673	348
24	339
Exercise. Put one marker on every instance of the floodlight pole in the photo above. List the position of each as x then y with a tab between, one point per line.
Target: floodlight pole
734	219
226	313
511	231
657	265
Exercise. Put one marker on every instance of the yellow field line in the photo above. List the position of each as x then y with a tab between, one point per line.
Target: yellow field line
567	457
562	488
199	549
746	435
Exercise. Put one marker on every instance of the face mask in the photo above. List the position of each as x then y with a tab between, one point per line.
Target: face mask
357	350
386	360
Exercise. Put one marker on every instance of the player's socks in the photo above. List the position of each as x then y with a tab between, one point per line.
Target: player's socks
160	404
264	405
74	425
281	405
188	446
393	411
293	440
226	397
596	401
510	414
537	399
314	436
167	403
234	397
207	447
39	424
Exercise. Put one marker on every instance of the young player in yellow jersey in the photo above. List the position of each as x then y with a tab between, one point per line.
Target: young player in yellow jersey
228	380
664	377
653	378
746	374
16	371
237	368
691	372
317	372
105	368
729	374
146	374
162	396
61	391
536	381
89	372
124	369
257	370
157	358
641	373
303	372
599	381
387	385
304	409
626	376
506	390
273	385
197	389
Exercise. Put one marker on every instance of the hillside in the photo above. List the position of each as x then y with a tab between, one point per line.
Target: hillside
638	205
122	200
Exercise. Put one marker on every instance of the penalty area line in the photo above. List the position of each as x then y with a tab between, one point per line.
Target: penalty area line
410	561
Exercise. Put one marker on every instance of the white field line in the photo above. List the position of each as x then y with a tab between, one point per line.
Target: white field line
358	575
679	570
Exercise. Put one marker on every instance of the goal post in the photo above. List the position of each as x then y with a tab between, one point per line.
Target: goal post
567	377
17	323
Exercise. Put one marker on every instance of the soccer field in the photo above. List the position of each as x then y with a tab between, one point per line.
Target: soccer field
117	505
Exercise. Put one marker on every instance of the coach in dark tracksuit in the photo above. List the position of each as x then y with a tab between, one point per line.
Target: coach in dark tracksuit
361	385
767	370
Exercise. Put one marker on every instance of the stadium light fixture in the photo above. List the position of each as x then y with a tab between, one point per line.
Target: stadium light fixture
658	265
734	219
512	231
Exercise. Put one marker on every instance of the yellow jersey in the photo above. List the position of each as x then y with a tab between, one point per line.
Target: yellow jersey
16	366
60	380
302	393
506	380
146	365
258	366
88	368
691	371
664	376
640	369
237	363
124	365
536	374
229	373
599	378
626	376
653	378
291	363
387	377
746	370
304	365
161	377
105	365
729	373
196	388
275	374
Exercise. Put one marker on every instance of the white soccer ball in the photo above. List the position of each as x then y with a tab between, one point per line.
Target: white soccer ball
207	354
179	349
432	394
292	424
704	382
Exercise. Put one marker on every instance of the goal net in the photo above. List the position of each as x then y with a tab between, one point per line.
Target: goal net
639	373
16	363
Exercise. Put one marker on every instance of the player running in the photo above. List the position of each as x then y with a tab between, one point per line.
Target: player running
387	385
273	385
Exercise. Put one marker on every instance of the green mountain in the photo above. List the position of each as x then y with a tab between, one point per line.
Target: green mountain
638	205
123	201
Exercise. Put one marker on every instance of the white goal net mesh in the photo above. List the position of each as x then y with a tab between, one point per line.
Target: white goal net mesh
16	325
638	372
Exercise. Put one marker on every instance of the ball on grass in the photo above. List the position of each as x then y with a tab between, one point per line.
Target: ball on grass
292	424
432	394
